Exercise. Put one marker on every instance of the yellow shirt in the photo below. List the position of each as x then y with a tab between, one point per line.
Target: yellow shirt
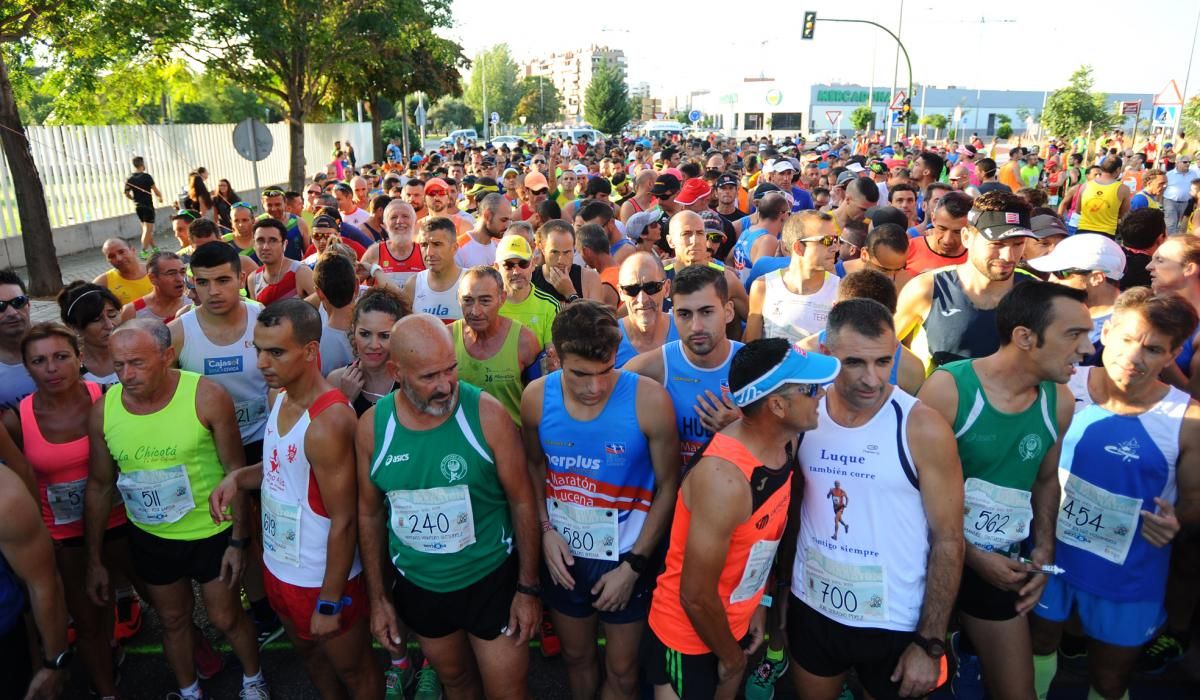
125	290
1099	207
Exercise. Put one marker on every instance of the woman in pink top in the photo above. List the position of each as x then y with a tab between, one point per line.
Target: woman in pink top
51	427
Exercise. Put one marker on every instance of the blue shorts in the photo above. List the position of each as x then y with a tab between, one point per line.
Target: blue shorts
1120	623
579	601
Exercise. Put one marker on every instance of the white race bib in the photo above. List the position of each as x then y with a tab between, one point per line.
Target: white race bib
66	501
758	567
433	521
995	517
250	411
852	592
590	533
1097	521
281	529
157	497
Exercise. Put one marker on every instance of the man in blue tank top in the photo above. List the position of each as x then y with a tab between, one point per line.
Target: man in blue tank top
1130	474
602	447
695	368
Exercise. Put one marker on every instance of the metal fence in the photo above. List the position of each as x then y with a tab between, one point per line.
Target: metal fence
83	168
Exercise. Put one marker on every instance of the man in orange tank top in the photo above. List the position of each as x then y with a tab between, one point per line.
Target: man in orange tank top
706	618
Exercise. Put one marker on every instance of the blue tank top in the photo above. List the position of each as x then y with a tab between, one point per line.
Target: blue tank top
603	463
612	250
12	598
685	382
669	269
741	251
626	351
1107	458
895	359
1184	359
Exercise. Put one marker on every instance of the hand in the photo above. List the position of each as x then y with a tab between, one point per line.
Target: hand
561	282
1161	527
233	563
97	584
757	629
352	380
917	672
524	615
716	412
729	678
324	626
998	570
614	589
47	684
385	628
1031	592
220	501
558	559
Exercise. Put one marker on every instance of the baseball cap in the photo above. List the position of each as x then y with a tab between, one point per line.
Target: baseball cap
855	167
726	180
482	186
782	165
1000	225
693	191
580	169
666	184
676	172
508	170
436	185
513	246
847	176
797	367
1084	251
1046	225
536	181
325	221
887	215
712	221
762	190
639	222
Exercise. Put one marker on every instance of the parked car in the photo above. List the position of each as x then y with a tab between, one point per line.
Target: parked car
463	135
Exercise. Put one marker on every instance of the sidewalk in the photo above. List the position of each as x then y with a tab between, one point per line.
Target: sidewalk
85	266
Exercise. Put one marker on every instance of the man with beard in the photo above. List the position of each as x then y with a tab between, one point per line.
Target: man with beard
950	313
414	194
524	303
398	258
480	247
439	203
559	276
794	303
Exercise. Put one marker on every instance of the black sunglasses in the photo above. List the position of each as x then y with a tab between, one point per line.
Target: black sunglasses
17	303
510	264
1064	274
650	288
539	192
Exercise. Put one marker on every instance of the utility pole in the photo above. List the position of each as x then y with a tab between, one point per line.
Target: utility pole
895	75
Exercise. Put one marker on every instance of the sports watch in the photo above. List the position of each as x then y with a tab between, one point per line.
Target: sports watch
331	607
60	662
933	646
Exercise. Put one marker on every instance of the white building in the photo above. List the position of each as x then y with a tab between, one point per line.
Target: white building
571	72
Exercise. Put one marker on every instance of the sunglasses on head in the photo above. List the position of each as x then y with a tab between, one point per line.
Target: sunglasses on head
650	288
510	264
272	193
187	213
236	205
17	303
826	241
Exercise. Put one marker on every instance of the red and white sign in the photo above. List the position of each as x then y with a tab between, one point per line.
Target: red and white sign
898	100
1169	96
834	116
1133	107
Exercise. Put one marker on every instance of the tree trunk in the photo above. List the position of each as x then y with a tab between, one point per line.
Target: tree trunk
37	238
296	172
375	104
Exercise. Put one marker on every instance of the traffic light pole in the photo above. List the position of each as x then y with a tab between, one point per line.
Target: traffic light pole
898	43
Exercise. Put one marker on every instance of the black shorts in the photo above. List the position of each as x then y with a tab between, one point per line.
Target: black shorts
982	600
112	534
827	648
481	609
579	601
254	452
161	562
689	675
14	649
145	214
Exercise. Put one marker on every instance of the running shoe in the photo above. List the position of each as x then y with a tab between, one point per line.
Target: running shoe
760	685
967	682
1162	653
1072	650
397	680
551	646
129	618
208	662
268	631
255	691
428	685
846	693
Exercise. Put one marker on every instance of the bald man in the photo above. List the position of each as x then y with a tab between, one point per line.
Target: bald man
442	479
641	200
128	278
644	289
690	242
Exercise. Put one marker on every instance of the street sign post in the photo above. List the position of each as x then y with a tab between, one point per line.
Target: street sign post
695	115
898	101
253	141
1170	100
834	116
1165	115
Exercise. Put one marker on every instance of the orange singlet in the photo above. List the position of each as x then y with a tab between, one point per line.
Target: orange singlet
748	561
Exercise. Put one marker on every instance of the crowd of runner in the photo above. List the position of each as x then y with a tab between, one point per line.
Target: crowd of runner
880	417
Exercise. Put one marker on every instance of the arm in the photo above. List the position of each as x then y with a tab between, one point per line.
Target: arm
610	297
754	320
1125	195
1187	468
765	245
911	374
214	408
328	444
913	306
102	280
737	294
127	312
158	195
647	364
10	452
528	348
102	474
410	290
592	286
304	281
176	328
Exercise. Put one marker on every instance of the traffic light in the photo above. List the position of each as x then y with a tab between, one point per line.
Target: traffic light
907	106
810	23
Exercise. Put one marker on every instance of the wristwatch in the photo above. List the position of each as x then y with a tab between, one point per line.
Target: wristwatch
239	544
933	646
573	298
637	562
535	590
332	607
60	662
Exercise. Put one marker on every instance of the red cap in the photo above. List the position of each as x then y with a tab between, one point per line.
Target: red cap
694	190
434	185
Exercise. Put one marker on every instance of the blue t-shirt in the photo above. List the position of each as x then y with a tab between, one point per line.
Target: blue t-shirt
801	199
393	153
1139	201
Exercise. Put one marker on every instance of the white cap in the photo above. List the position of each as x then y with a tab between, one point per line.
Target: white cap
855	167
1084	251
782	165
580	169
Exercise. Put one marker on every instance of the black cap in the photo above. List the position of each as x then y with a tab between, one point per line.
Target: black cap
1001	225
599	185
764	188
726	179
666	184
324	221
887	215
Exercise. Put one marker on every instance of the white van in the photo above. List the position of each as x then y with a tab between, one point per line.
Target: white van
574	135
464	135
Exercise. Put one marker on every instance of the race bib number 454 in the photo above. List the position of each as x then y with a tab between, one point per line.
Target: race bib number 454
1096	520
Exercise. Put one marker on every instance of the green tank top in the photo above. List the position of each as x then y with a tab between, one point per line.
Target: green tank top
1004	449
448	518
499	375
167	462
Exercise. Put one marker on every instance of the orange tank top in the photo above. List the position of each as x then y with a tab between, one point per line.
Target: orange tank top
921	257
747	563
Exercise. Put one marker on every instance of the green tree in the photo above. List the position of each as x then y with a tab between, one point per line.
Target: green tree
606	102
1004	130
635	108
502	93
937	122
1189	121
1071	109
450	113
862	118
540	102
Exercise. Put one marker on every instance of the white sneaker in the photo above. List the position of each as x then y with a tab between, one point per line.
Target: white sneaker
255	691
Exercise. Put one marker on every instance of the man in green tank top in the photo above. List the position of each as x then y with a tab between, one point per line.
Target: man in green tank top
1009	411
443	481
165	438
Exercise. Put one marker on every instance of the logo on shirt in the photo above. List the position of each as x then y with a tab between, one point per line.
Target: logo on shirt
274	460
454	467
223	365
1030	447
1127	450
614	452
392	459
291	453
949	312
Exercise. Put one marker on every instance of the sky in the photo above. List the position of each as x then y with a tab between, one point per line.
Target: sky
1017	45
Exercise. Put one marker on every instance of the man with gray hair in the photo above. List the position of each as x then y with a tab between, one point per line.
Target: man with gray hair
480	247
397	258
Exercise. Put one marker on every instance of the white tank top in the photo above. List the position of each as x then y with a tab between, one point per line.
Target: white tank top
295	524
796	316
444	305
233	366
865	568
335	345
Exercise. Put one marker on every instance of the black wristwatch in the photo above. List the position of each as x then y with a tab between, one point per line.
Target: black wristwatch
933	646
239	544
637	562
535	590
60	662
573	298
